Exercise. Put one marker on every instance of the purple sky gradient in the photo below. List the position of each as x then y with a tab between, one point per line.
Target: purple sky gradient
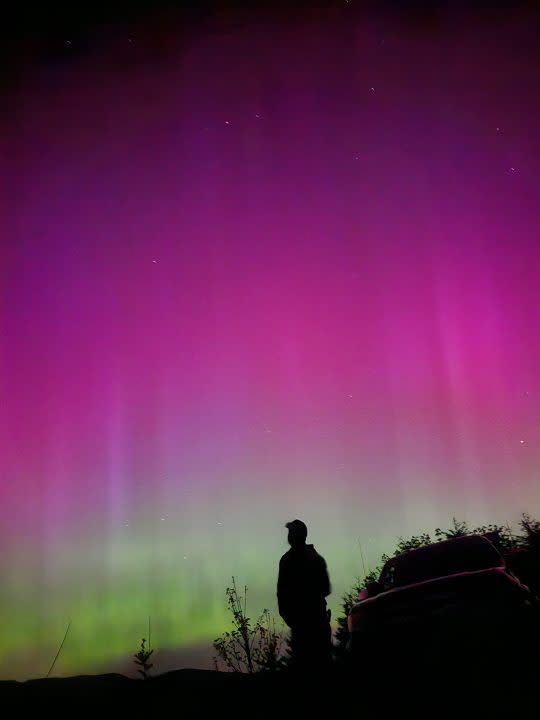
276	268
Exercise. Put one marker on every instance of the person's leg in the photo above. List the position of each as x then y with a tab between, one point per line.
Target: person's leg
300	648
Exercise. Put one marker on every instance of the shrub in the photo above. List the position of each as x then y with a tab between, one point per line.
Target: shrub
142	658
248	648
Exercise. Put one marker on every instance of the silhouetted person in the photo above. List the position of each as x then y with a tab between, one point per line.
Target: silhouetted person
302	587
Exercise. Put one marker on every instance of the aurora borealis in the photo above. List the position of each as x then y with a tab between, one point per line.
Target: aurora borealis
268	266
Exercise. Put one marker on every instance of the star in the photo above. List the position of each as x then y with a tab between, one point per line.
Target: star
522	442
154	261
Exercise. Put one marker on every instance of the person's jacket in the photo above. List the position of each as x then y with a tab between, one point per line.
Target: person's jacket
303	585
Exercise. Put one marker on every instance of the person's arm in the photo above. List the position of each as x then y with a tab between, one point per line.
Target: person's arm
283	586
326	588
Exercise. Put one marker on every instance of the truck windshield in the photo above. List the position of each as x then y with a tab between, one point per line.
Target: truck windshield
465	554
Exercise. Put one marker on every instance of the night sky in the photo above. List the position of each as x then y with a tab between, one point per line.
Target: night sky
256	265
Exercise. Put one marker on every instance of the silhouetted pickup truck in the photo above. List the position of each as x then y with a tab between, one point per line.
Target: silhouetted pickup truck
451	597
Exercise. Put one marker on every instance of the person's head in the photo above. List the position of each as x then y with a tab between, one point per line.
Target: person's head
297	533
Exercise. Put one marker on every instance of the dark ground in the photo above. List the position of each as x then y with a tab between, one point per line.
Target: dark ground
483	687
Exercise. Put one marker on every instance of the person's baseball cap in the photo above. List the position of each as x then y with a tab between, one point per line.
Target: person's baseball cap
297	527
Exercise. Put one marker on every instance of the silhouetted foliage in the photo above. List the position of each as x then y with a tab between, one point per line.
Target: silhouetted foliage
531	532
413	543
347	601
286	655
248	648
500	535
59	649
268	648
141	659
459	528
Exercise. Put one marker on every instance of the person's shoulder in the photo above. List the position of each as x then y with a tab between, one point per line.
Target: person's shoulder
317	555
285	558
